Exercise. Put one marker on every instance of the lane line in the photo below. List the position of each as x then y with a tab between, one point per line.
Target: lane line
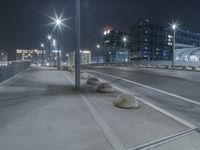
107	131
182	121
151	88
164	140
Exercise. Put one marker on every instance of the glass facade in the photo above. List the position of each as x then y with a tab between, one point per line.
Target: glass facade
114	48
150	41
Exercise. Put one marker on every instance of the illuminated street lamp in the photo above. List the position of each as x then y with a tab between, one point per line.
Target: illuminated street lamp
174	26
124	40
58	23
42	46
98	51
49	38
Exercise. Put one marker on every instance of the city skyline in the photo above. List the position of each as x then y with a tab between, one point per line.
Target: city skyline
26	22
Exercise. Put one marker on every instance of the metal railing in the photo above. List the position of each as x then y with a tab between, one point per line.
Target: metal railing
11	68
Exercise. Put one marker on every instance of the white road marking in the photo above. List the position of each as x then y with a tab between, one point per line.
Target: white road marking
151	88
107	131
164	140
124	90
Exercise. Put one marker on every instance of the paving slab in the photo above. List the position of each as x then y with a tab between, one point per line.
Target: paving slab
41	111
183	143
137	127
133	126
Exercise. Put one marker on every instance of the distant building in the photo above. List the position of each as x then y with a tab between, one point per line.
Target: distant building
150	41
85	57
34	55
3	55
113	48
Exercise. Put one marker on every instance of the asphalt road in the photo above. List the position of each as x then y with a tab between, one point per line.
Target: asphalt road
185	84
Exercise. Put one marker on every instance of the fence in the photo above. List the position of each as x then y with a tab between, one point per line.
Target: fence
11	68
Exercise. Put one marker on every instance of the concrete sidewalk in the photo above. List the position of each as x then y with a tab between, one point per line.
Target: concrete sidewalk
40	110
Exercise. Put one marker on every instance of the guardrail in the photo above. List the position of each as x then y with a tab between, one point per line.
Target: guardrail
158	66
11	68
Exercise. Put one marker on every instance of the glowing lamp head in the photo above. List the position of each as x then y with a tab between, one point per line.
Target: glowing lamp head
42	45
98	46
58	22
49	37
125	39
174	26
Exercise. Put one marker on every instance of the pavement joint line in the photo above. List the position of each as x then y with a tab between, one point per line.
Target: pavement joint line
164	140
2	86
107	131
151	88
182	121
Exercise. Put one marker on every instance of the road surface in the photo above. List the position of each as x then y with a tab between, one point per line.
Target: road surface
180	90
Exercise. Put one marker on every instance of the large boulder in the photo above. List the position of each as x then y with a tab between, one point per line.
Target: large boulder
105	88
92	80
127	101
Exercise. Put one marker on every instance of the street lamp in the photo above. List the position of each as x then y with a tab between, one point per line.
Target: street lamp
98	48
78	46
124	40
58	23
49	38
174	26
42	46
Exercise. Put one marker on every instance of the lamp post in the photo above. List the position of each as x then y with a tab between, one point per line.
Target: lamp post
58	23
42	46
77	51
98	52
174	26
49	38
54	45
124	39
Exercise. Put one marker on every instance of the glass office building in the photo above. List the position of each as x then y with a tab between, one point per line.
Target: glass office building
150	41
114	49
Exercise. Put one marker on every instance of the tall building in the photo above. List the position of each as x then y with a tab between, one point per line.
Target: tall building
113	48
150	41
3	55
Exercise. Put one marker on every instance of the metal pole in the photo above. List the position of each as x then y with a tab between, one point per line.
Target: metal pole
174	42
58	50
49	50
124	54
42	57
77	51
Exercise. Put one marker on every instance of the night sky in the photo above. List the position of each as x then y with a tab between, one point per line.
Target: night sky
24	23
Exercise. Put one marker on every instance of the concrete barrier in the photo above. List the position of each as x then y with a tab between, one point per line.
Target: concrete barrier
85	76
92	80
196	68
127	101
186	68
105	88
